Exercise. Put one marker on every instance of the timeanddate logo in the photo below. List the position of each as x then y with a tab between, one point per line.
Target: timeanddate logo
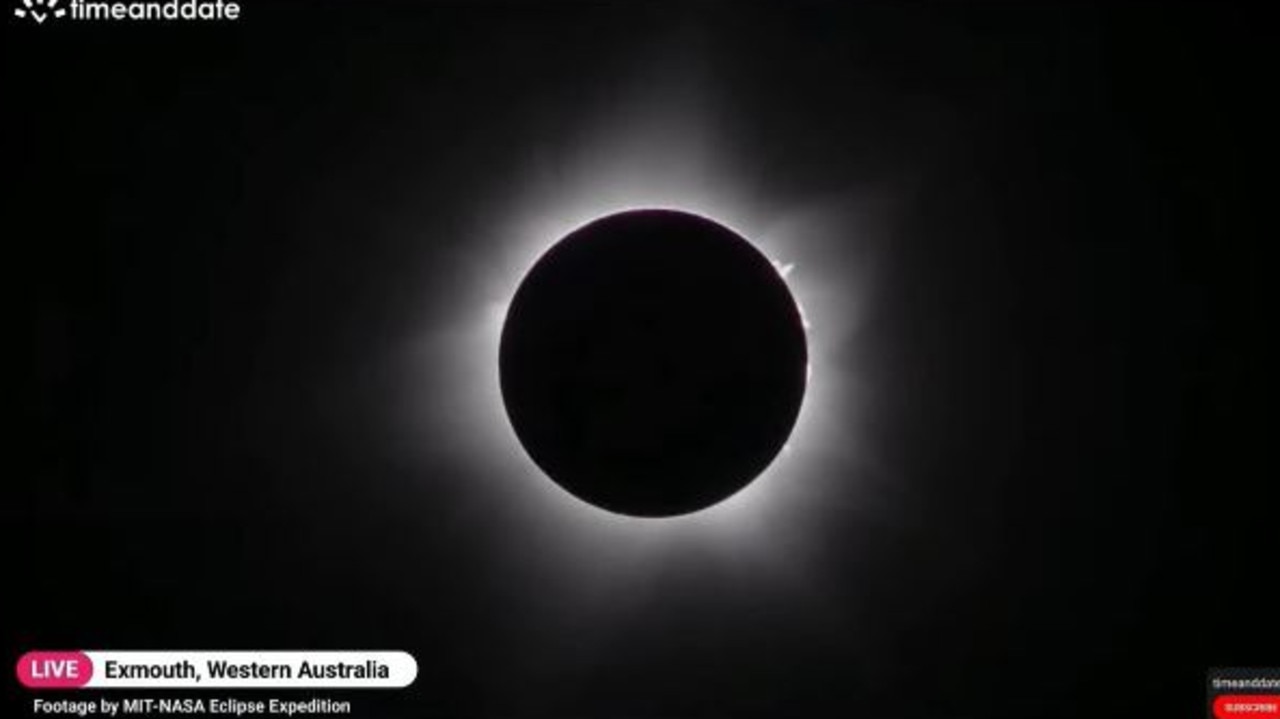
40	12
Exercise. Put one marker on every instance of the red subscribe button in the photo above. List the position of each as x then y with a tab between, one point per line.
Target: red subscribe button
1255	706
54	670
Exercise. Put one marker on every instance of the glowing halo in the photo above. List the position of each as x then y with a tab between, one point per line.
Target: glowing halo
654	159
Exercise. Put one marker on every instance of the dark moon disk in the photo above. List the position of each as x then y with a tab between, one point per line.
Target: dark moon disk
653	363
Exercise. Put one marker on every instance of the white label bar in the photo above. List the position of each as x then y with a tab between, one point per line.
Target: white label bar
92	669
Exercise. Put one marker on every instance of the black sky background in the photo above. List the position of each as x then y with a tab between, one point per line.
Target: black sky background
194	226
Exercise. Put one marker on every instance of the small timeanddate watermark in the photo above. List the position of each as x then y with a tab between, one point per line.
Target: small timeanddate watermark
1244	692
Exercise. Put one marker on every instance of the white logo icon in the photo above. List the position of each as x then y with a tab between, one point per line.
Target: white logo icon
39	10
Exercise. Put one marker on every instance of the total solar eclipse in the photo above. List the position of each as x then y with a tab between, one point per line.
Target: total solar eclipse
653	363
